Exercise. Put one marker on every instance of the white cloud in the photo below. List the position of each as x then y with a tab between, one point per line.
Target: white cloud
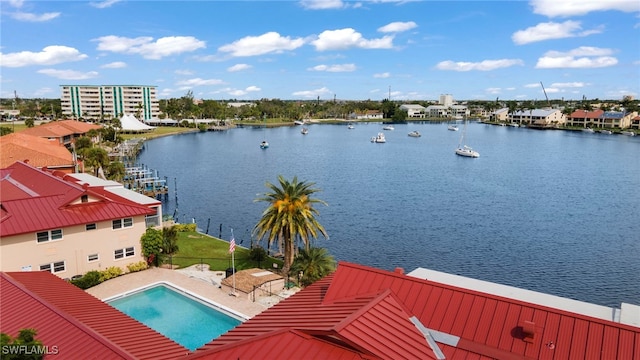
199	82
553	8
30	17
569	85
348	38
270	42
253	89
334	68
145	46
398	27
582	57
238	67
322	4
183	72
104	4
312	94
382	75
69	74
240	92
493	90
485	65
115	65
50	55
551	30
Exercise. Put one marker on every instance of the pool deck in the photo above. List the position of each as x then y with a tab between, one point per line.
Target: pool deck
203	283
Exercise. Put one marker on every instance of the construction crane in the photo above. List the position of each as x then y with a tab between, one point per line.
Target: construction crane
545	94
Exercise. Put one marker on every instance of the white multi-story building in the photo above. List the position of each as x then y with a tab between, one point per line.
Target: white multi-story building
109	101
446	100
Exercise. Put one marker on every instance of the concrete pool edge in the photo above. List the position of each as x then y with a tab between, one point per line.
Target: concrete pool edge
219	307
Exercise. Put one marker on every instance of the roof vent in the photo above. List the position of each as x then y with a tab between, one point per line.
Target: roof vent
399	270
528	331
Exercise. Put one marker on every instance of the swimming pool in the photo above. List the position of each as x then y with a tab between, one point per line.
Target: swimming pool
176	314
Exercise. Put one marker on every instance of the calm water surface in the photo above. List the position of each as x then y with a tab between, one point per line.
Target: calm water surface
550	211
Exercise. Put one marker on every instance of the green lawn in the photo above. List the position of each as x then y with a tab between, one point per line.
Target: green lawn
195	248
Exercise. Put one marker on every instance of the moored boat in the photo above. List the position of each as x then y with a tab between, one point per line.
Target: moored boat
388	127
304	131
628	133
264	144
379	138
415	133
452	128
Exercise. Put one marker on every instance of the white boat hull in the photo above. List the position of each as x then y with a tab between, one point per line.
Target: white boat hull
467	152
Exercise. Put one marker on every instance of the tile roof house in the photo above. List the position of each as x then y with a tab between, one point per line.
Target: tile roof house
63	131
52	221
366	313
36	151
73	324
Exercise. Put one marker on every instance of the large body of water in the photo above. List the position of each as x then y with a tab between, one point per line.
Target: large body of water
550	211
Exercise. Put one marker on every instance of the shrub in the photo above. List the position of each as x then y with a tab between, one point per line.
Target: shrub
110	273
186	227
139	266
92	278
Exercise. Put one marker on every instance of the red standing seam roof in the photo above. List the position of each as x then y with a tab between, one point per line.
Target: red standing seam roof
359	307
82	326
35	200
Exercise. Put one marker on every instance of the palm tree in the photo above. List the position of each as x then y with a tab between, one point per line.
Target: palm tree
290	214
312	264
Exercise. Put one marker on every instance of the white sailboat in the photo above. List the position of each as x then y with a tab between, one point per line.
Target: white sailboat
264	144
463	149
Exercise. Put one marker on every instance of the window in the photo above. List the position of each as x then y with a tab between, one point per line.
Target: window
44	236
93	257
92	226
55	267
124	253
120	223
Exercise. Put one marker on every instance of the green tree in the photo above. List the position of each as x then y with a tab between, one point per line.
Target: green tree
170	240
289	215
115	171
152	242
26	337
82	145
95	158
5	130
313	264
29	122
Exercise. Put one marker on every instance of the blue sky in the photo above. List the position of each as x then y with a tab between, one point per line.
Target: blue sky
302	50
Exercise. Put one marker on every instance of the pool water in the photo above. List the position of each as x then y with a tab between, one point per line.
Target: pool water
187	321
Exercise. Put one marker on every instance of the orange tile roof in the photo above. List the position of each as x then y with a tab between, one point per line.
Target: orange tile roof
35	150
57	129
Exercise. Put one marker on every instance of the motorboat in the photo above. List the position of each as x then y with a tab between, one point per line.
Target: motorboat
452	128
415	133
467	151
264	144
350	127
608	132
388	127
628	133
304	131
299	122
589	130
379	138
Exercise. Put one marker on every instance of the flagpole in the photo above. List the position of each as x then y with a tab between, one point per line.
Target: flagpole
233	262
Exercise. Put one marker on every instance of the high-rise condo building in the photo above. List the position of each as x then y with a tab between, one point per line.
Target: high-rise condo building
94	102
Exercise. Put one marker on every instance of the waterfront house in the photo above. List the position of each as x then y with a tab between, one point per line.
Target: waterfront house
414	111
69	224
584	118
635	123
64	132
500	115
369	115
541	118
38	152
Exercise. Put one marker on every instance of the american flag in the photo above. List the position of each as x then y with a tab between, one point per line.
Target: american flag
232	243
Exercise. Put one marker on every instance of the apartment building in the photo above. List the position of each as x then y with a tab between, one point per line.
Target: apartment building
69	224
94	102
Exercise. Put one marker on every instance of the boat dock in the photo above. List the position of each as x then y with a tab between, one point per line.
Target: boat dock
145	181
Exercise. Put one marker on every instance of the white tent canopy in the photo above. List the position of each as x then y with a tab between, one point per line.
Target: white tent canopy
129	123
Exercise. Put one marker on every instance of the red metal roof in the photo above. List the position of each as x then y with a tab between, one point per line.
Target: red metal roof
367	310
34	200
76	323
